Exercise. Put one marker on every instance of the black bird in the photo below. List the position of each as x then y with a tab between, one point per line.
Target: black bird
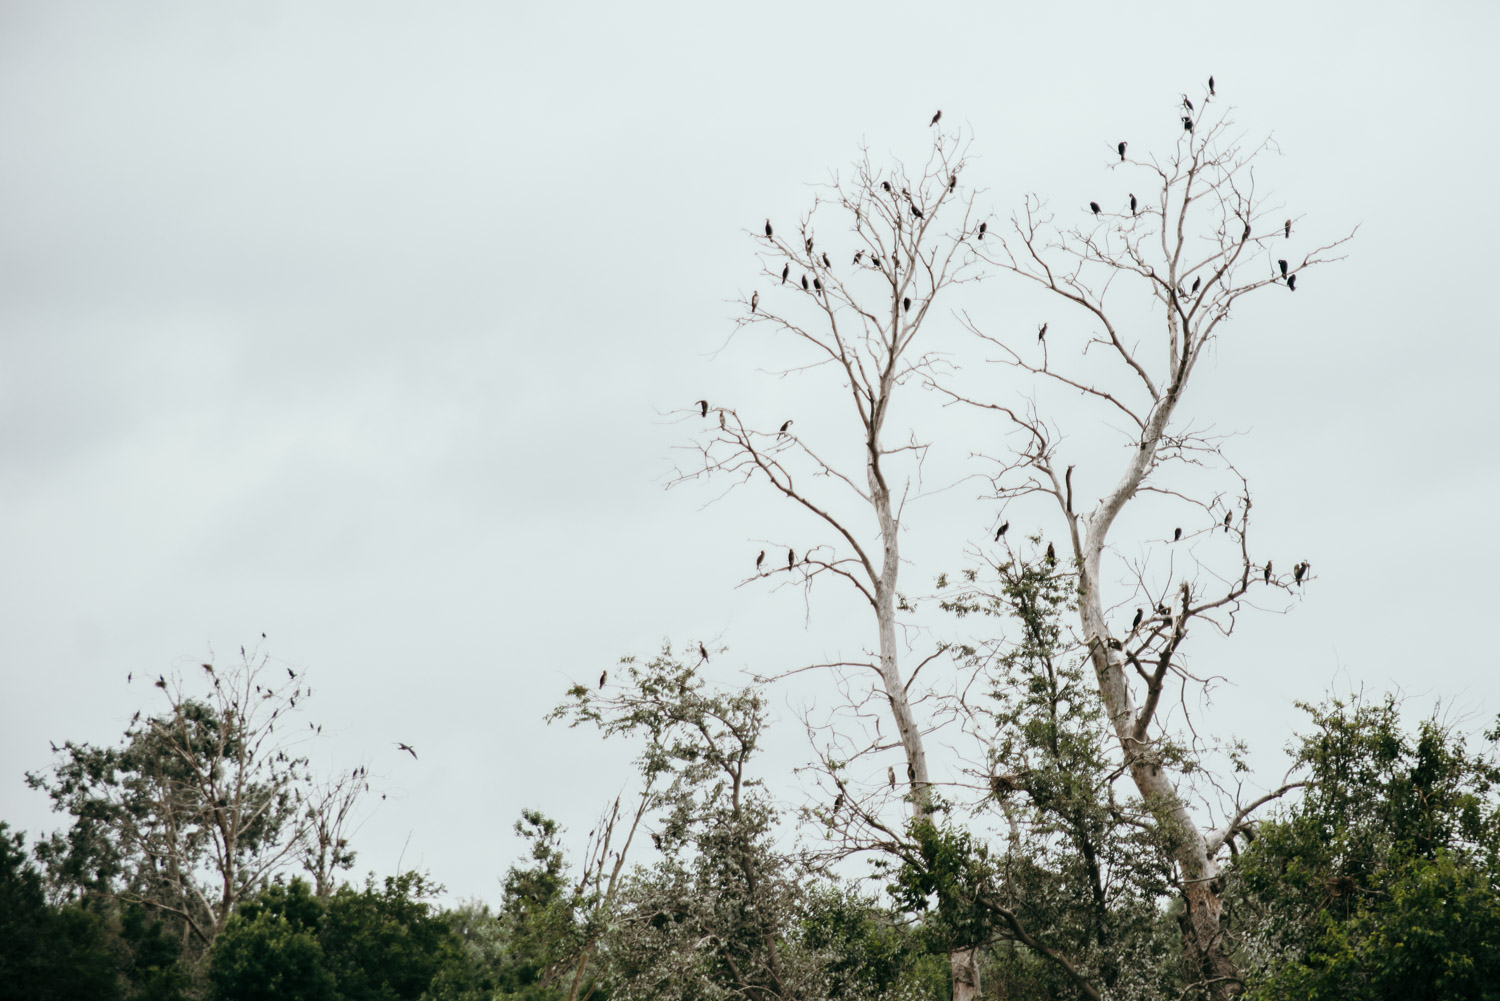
857	255
838	801
1246	234
703	652
886	185
804	283
161	682
808	244
1299	571
1136	623
760	559
1282	265
1227	516
129	676
1041	332
916	211
754	300
1268	572
952	181
1187	124
1094	207
784	427
768	228
791	558
982	227
703	408
911	773
290	673
1000	532
603	676
1288	229
826	262
1291	282
906	304
786	269
656	840
1163	610
818	284
1177	535
890	775
1210	86
1132	204
935	118
407	748
1121	148
1197	283
1051	553
1186	103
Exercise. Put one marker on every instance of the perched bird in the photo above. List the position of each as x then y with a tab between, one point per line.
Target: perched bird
1291	282
791	558
857	255
1227	516
721	420
1177	535
906	304
1051	553
703	408
886	185
1268	572
952	181
1299	571
784	427
786	269
703	652
804	283
1000	532
603	676
1041	332
1288	229
129	677
768	228
911	773
916	211
207	667
1094	207
407	748
1186	103
890	775
290	673
1163	610
826	262
1187	124
807	242
760	559
754	300
1197	283
935	118
818	284
1132	204
1136	623
1282	265
1210	86
161	682
1246	234
838	801
1121	148
982	227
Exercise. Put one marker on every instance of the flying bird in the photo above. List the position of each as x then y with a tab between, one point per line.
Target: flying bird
1136	623
1132	204
1051	553
935	118
1041	332
1094	207
768	228
784	427
1282	265
1291	282
1211	87
1000	532
703	652
1268	572
791	558
1288	229
1197	283
702	408
786	269
890	775
1177	535
760	559
804	283
407	748
906	304
1121	148
754	300
982	227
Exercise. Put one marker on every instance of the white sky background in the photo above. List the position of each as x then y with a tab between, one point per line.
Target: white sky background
355	323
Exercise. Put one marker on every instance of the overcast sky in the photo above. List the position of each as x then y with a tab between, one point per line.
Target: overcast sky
360	324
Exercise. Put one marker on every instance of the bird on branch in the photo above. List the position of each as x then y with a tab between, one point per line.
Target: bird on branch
1000	532
935	118
754	300
1051	553
1041	332
1268	572
1132	204
1291	282
982	227
1177	535
703	653
791	558
783	429
603	676
786	269
1136	623
1282	265
890	776
760	559
1121	148
1211	90
1094	207
702	406
768	229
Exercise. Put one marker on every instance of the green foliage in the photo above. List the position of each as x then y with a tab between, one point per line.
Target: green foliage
1381	883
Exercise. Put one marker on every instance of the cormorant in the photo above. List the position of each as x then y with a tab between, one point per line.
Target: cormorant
1186	103
1121	148
804	283
1132	204
982	227
786	269
1246	234
890	775
1291	282
760	559
1051	553
1197	283
1094	207
784	427
1282	265
1187	124
768	229
791	558
906	304
1298	571
1136	623
129	676
911	773
407	748
1000	532
702	408
754	300
603	676
1041	332
807	242
857	255
1227	515
1211	86
818	284
207	667
916	211
886	185
1288	229
826	262
1268	572
952	181
703	652
935	118
1177	535
838	801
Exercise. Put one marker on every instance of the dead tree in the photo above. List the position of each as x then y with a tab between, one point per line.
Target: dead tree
1142	294
899	240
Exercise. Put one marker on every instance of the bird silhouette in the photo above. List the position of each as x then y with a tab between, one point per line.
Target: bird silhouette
754	300
703	652
1177	535
826	262
1211	87
1186	103
1094	207
603	676
935	118
1041	333
1227	516
1187	124
791	558
721	420
1288	229
702	408
1246	234
1197	283
407	748
1291	282
952	181
786	269
857	255
838	801
982	227
1282	265
1299	571
916	211
760	559
890	775
1121	148
818	285
161	682
1136	622
1268	572
768	228
804	283
784	427
1000	532
129	677
1132	204
207	667
1051	553
911	773
906	304
886	185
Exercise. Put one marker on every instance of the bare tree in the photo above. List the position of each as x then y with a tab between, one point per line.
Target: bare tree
1148	287
857	321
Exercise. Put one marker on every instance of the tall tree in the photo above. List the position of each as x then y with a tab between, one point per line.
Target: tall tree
1203	242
